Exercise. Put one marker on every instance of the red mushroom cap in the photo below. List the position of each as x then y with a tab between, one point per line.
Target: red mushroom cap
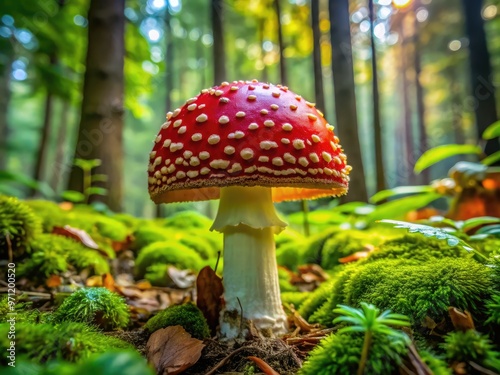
246	134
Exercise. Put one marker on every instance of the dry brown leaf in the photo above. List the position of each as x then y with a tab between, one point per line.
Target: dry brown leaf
143	285
108	282
302	323
122	245
172	350
354	257
181	278
53	281
95	280
268	370
462	321
76	234
209	301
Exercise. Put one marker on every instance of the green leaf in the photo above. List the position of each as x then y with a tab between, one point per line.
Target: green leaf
73	196
96	190
436	154
477	221
87	165
398	208
490	159
492	131
99	177
489	230
384	194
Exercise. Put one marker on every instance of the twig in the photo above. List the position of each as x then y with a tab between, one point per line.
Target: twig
217	263
224	360
241	316
481	369
9	246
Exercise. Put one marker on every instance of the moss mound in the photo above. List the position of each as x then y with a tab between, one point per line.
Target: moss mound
187	220
187	315
96	306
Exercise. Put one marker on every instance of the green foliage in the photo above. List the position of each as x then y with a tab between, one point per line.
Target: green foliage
54	254
96	306
489	246
412	288
294	298
89	180
315	243
416	247
341	353
493	306
400	190
471	346
290	255
436	154
288	236
67	341
492	131
49	212
400	207
284	281
19	222
186	315
187	220
437	365
167	253
147	234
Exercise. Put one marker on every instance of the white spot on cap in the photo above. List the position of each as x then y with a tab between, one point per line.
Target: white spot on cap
165	125
263	159
236	167
201	106
251	169
204	91
313	171
191	100
289	158
264	111
238	134
187	154
269	123
277	161
163	170
293	107
192	107
171	168
300	171
205	170
179	160
223	100
219	164
180	174
157	161
315	138
312	117
176	146
285	141
229	150
152	155
177	123
176	112
246	153
167	143
157	174
204	155
287	127
213	139
181	130
326	156
274	107
334	146
158	138
196	137
330	127
314	157
337	160
251	97
298	97
310	105
192	174
298	144
276	94
151	168
225	83
169	115
303	161
267	145
223	120
234	88
265	170
240	114
253	126
202	118
219	92
328	171
194	161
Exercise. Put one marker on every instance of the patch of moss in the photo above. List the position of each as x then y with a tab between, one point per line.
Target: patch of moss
49	213
290	255
493	306
187	315
69	341
418	247
148	234
96	306
167	253
288	236
187	220
437	365
199	244
157	275
489	246
316	299
313	252
414	289
294	298
341	353
284	281
471	346
19	222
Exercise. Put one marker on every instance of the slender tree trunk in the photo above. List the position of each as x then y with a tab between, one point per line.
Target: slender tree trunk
4	106
219	56
377	127
318	69
60	162
456	105
265	72
283	71
482	87
100	134
345	98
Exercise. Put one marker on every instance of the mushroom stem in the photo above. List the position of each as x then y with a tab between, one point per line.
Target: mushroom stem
248	220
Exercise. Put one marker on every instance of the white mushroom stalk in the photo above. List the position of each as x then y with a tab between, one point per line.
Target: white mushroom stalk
248	220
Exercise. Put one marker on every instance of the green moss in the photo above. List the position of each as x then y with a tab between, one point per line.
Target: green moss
67	341
418	247
49	213
19	222
471	346
284	281
314	246
187	220
437	365
111	228
290	255
157	275
288	236
187	315
167	253
316	299
148	234
489	246
55	254
493	306
294	298
415	289
97	306
340	354
199	244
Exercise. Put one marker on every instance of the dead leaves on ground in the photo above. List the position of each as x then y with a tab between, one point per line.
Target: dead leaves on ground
172	350
209	296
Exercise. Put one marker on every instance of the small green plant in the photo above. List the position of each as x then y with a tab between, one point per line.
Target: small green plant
186	315
369	321
97	306
493	306
89	179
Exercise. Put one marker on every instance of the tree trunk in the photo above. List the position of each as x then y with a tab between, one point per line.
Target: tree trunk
218	35
265	73
345	98
4	106
483	89
100	134
59	167
318	69
377	127
283	73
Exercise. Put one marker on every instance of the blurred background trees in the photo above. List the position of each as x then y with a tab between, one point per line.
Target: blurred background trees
395	77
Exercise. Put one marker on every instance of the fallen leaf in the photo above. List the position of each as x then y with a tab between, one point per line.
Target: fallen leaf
172	350
95	280
108	282
53	281
209	300
143	285
302	323
181	278
268	370
76	234
462	321
122	245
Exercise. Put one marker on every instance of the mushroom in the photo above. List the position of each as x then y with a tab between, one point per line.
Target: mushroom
249	144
